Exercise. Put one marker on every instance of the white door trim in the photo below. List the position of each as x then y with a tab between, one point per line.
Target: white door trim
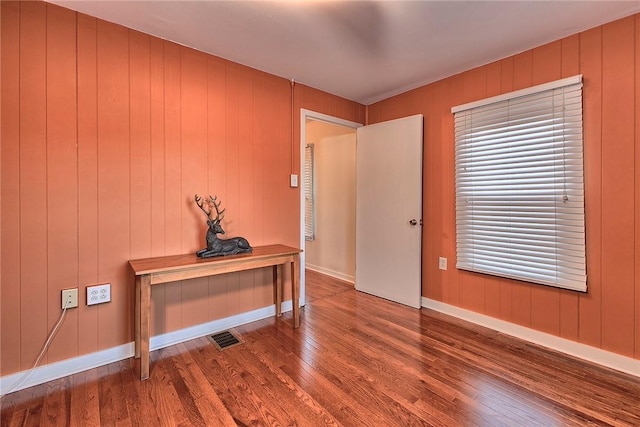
304	116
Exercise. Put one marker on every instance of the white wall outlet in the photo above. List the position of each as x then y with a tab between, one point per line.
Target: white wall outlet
69	298
98	294
442	263
294	180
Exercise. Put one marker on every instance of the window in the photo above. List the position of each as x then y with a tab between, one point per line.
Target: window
309	196
519	185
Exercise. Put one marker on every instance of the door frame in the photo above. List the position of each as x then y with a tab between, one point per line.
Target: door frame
304	116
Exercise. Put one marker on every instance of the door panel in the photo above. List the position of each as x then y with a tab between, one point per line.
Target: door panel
388	198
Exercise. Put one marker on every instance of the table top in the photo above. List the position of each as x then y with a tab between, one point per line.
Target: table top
178	262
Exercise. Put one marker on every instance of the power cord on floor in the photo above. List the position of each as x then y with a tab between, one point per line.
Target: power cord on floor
47	343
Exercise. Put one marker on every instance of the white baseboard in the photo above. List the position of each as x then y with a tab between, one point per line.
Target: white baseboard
592	354
53	371
63	368
328	272
186	334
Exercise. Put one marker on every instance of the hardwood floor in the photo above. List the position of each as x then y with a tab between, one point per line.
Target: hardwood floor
356	360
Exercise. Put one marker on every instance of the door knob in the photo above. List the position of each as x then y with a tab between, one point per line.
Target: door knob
413	222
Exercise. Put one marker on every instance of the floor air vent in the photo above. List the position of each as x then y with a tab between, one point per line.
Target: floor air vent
224	340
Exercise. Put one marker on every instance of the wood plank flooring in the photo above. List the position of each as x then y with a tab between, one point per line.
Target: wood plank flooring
356	360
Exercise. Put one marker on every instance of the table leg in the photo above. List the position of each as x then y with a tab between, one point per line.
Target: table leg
295	289
137	318
145	308
277	288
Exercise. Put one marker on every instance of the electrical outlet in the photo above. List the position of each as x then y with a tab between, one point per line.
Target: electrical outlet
294	180
69	298
98	294
442	263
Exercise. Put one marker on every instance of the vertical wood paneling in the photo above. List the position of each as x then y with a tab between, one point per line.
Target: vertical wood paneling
545	301
157	189
10	315
493	284
114	213
520	291
263	291
431	278
290	153
546	63
272	189
569	313
247	123
193	116
242	221
229	194
281	144
33	181
216	166
87	178
173	149
156	88
522	70
62	172
472	286
618	133
590	315
492	296
216	125
289	148
506	288
446	181
637	191
446	205
274	223
281	163
140	144
506	83
494	79
287	219
139	150
434	147
173	202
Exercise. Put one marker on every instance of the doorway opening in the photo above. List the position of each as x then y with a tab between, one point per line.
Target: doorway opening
331	245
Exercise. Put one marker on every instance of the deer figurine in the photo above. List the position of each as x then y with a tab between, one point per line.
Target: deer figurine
216	246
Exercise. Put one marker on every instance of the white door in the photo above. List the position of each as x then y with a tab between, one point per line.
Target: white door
389	210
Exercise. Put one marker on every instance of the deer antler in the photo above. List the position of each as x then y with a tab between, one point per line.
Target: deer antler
200	204
216	204
220	213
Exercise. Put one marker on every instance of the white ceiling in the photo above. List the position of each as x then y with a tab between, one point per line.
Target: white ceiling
364	51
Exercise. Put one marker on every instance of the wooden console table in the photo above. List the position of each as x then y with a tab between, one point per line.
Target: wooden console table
154	271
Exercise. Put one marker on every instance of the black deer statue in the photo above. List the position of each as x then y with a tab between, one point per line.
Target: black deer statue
216	246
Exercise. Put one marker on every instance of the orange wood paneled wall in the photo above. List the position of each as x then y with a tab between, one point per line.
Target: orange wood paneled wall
107	134
608	316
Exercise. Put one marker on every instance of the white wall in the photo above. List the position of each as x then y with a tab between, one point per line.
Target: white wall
333	250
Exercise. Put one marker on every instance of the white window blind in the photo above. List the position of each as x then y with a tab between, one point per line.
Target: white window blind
519	185
309	212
